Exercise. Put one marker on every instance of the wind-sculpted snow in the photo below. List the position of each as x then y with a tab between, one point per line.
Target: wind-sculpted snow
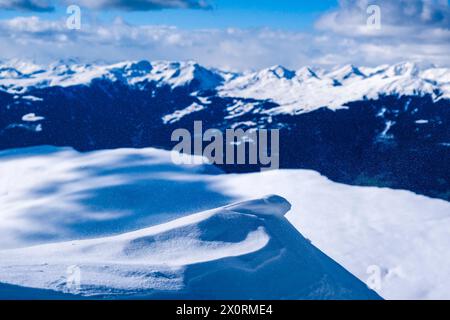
247	250
56	194
59	208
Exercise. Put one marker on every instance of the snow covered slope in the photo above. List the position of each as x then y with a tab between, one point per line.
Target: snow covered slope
294	92
246	250
53	197
17	76
307	90
397	235
50	194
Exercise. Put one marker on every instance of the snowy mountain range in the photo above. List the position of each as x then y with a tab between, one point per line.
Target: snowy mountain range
303	90
385	126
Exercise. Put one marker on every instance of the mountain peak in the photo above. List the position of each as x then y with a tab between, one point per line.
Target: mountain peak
280	72
306	73
404	69
346	72
291	90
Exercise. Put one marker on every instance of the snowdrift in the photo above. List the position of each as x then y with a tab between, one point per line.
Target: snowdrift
242	251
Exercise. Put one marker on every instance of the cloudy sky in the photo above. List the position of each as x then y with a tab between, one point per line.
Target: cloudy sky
231	34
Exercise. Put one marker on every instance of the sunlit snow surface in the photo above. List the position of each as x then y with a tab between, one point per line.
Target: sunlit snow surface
61	208
296	92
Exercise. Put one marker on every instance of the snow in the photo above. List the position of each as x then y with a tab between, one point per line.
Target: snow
239	108
389	125
31	117
26	126
248	124
32	98
174	74
24	67
244	250
204	100
335	89
179	114
295	92
403	234
61	208
94	194
144	254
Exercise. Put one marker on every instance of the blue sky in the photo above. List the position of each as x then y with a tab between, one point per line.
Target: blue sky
285	14
230	34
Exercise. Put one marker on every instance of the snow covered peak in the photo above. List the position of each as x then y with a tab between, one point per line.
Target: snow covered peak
306	73
279	72
181	73
403	69
310	90
9	73
371	71
294	91
133	69
345	73
16	77
22	67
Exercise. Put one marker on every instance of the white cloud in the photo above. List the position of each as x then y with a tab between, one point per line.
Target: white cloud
230	48
418	33
409	30
399	19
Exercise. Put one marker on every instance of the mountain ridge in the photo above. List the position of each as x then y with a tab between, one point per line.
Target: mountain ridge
294	91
